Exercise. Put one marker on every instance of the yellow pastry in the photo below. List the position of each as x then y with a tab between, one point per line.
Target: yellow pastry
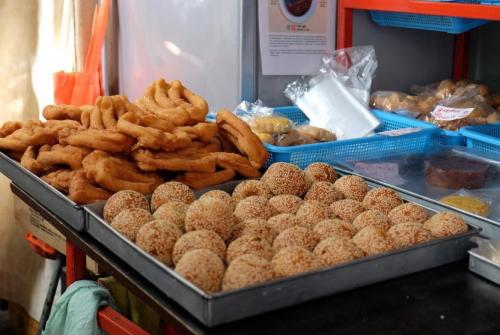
272	124
468	203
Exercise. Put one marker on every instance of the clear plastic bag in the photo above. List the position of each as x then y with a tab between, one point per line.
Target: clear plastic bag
488	248
475	202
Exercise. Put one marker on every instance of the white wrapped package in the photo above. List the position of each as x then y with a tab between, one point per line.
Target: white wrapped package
329	104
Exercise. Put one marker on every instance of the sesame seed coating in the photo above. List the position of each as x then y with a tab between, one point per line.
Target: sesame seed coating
352	187
408	212
259	228
221	195
253	207
285	178
249	245
294	260
173	211
312	212
337	250
371	217
384	199
372	241
407	234
122	200
172	190
211	214
129	221
334	227
247	270
295	237
283	221
199	239
323	192
157	238
445	224
248	188
347	209
286	203
320	172
203	268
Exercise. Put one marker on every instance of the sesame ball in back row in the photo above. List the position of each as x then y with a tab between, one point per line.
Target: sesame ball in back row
285	178
253	207
312	212
347	209
122	200
408	212
286	203
158	238
352	187
320	172
210	214
172	190
249	188
203	268
129	221
173	211
199	239
384	199
247	270
445	224
324	192
221	195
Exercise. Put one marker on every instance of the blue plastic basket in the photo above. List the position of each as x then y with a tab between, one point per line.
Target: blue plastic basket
448	24
483	138
343	150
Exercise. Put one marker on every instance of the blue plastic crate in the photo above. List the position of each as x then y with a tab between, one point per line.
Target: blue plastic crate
448	24
343	150
483	138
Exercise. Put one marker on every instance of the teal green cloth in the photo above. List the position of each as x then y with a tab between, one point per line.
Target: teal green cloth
75	312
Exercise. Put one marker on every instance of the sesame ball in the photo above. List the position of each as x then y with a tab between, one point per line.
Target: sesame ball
211	214
337	250
384	199
249	245
283	221
324	192
286	203
408	212
371	217
203	268
295	237
247	270
259	228
253	207
129	221
352	187
407	234
173	211
347	209
221	195
445	224
320	172
334	227
312	212
294	260
122	200
248	188
157	238
172	190
199	239
285	178
372	241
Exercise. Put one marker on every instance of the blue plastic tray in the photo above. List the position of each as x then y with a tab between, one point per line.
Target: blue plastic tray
483	138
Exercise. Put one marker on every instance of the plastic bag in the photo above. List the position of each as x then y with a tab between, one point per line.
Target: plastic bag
355	68
447	88
488	248
470	202
401	103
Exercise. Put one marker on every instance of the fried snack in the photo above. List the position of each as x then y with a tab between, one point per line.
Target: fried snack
16	155
29	159
20	139
69	155
62	112
82	191
203	131
60	179
199	180
238	163
240	134
196	162
96	118
316	133
11	126
101	139
117	173
85	117
107	111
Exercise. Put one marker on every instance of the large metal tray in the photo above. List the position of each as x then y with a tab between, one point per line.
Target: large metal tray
229	306
45	194
480	263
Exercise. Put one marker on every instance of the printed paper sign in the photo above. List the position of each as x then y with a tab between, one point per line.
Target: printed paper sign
443	113
399	132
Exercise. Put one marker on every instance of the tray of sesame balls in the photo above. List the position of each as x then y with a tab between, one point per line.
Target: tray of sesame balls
252	246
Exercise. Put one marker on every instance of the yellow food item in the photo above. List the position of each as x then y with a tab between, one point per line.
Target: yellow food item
265	137
468	203
272	124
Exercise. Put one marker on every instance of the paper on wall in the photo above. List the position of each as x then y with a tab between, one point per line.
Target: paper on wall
294	34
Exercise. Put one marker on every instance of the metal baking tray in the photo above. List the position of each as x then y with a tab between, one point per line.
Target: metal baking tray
229	306
480	263
48	196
